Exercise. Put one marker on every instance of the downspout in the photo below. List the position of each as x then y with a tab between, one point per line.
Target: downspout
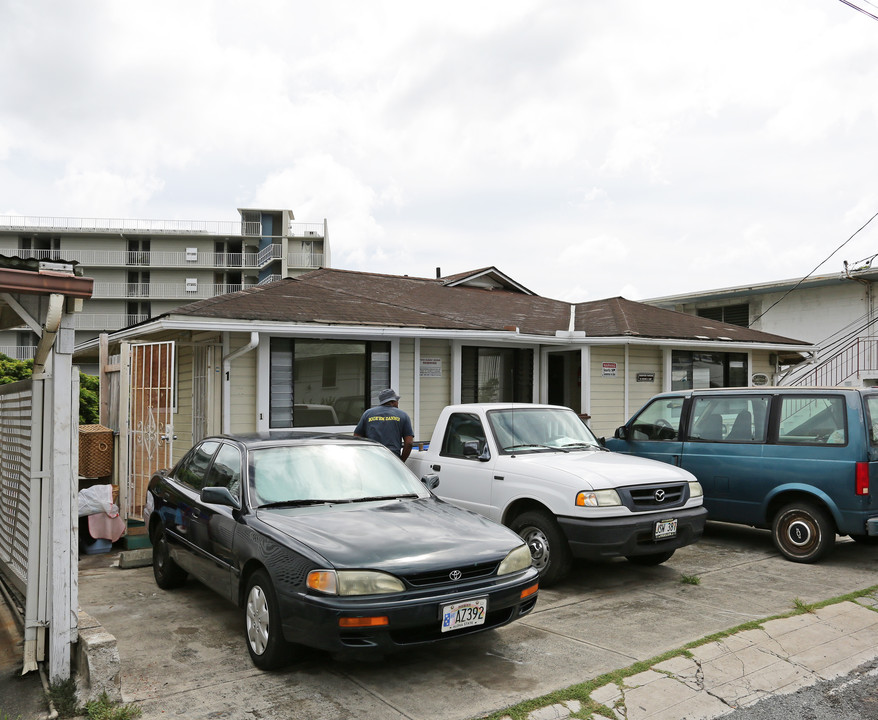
227	376
49	331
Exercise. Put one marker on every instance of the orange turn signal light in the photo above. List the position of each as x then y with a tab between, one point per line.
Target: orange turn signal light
527	592
358	622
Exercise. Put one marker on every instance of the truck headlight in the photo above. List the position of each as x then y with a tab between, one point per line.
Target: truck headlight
353	582
597	498
518	559
695	489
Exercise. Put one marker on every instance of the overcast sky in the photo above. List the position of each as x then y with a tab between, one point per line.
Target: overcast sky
586	148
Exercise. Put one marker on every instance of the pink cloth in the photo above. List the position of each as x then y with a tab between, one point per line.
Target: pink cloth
108	527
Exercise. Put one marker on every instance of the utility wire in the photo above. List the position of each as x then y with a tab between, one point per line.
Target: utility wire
795	287
862	10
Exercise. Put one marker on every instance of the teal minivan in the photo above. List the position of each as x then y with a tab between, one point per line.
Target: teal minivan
799	461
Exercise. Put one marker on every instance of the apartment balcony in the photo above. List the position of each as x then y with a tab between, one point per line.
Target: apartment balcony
163	291
106	322
19	352
126	258
115	226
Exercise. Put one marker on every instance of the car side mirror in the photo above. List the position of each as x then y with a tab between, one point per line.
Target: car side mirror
430	481
219	496
621	433
477	449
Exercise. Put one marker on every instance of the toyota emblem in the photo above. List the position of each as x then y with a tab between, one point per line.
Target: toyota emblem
455	575
659	495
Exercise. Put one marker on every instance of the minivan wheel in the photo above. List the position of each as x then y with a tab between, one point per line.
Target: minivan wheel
803	532
548	546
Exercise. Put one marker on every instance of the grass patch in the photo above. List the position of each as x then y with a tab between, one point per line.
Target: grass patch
63	697
801	606
582	691
105	709
690	580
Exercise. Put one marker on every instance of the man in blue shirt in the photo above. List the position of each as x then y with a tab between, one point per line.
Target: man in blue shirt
387	424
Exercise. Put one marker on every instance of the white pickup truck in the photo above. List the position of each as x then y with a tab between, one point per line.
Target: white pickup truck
539	470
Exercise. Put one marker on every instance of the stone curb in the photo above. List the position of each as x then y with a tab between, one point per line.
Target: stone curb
780	657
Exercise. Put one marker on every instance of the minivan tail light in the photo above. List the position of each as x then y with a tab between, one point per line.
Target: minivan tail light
862	478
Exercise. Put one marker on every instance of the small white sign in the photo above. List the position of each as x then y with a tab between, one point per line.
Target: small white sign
608	369
431	367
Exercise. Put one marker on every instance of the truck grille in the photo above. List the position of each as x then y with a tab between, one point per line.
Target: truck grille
654	497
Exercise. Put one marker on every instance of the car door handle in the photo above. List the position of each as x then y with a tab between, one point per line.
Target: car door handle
499	477
437	468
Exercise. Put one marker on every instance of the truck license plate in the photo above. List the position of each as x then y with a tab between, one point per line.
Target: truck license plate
665	529
464	614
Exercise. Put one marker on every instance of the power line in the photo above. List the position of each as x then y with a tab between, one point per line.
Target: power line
862	10
783	297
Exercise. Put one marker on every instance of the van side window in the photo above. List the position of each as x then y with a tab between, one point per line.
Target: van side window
812	420
730	419
872	422
660	420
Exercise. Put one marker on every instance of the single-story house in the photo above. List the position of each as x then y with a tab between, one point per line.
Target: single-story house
314	351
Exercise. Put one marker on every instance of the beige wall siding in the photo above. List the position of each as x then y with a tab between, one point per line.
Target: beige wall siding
406	387
643	359
607	392
183	415
243	395
435	391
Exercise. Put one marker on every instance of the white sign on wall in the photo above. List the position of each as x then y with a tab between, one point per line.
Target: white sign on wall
608	369
431	367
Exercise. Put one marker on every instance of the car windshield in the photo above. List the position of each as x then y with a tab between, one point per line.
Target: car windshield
312	474
538	429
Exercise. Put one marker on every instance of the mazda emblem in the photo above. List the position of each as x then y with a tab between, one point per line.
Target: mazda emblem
455	575
659	495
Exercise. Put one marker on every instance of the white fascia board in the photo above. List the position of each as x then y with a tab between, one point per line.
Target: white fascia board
284	328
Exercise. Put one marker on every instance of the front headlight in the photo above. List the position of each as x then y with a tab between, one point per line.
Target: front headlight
353	582
518	559
695	489
597	498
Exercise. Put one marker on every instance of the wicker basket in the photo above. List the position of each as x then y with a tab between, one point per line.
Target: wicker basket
95	451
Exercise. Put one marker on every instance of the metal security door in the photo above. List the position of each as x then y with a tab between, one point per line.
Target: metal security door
150	420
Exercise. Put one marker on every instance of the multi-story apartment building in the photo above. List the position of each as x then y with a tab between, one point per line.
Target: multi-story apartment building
144	268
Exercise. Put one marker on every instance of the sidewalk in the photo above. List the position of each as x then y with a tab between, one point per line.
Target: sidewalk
781	657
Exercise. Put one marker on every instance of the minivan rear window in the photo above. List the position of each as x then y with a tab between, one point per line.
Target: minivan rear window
812	420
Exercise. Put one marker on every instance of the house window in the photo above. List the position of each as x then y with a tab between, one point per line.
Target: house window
694	370
40	248
324	382
138	312
732	314
138	283
496	374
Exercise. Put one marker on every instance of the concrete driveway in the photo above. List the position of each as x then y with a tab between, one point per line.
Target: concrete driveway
183	652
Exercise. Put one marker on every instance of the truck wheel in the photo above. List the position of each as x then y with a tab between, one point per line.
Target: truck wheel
651	558
548	546
803	532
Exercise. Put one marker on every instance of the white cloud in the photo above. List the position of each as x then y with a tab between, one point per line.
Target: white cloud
588	149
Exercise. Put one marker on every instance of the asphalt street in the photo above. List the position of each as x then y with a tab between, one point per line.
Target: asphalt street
183	654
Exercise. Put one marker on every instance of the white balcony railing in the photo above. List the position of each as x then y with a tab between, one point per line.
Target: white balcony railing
19	352
106	321
164	291
116	258
151	227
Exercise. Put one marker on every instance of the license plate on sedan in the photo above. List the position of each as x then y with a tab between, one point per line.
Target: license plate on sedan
464	614
665	529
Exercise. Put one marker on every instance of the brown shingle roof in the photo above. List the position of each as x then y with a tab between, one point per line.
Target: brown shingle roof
344	297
